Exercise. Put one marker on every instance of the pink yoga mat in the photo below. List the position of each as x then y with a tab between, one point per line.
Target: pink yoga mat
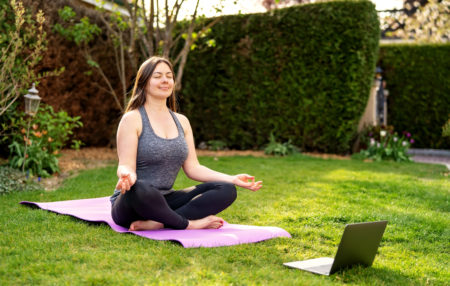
99	210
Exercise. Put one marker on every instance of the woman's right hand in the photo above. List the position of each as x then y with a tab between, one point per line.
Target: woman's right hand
127	179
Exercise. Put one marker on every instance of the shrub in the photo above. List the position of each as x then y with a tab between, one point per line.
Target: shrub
385	144
22	44
418	80
303	71
48	134
279	149
446	129
12	180
217	145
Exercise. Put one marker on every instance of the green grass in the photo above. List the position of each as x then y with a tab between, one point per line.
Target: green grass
311	198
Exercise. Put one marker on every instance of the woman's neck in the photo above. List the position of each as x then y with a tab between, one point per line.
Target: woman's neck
158	106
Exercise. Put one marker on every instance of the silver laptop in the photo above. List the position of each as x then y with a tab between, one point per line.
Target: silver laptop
358	246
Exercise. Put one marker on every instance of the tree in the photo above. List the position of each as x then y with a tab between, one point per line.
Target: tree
140	33
21	50
160	32
421	20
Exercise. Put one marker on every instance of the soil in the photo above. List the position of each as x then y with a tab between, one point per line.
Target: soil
73	161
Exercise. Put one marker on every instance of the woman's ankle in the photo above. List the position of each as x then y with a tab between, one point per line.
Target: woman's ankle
209	222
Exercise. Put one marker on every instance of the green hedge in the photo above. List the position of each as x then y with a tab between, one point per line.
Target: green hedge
303	73
418	80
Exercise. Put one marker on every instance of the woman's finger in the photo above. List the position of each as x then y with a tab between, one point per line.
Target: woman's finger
248	177
257	186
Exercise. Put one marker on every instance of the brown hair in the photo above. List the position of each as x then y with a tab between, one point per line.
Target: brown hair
144	73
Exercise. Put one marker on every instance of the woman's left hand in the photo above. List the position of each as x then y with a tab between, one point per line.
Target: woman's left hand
247	181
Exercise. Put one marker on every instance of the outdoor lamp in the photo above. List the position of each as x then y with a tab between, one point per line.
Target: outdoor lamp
32	101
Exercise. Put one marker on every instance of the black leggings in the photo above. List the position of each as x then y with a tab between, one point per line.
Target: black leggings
145	202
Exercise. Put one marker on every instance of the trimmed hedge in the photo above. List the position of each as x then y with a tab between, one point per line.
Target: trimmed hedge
418	80
303	73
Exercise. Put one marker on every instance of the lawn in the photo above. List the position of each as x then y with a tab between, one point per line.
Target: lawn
311	198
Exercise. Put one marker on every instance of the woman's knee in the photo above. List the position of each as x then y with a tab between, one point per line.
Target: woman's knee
228	192
143	190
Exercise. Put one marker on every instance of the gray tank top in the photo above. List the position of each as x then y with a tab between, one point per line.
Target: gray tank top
158	159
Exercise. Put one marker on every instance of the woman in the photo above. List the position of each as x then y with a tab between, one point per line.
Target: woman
153	143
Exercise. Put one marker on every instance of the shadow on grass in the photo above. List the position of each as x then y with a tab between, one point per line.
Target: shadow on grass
374	276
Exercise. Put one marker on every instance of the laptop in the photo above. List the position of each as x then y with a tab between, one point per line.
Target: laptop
358	246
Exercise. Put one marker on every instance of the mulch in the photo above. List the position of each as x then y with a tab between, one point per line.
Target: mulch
88	158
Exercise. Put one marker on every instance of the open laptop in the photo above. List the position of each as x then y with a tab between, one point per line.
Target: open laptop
358	246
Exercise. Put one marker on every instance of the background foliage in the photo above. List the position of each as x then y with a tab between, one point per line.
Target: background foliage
76	90
49	133
13	180
418	80
303	73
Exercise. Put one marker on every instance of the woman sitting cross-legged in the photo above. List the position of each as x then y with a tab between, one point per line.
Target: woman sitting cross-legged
153	143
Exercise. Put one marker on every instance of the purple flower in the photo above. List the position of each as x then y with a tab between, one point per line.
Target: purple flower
370	134
411	141
408	134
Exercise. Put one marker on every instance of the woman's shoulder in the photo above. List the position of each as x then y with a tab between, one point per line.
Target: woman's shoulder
183	120
181	117
132	117
132	114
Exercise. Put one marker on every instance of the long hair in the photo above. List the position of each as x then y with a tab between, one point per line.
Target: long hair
144	73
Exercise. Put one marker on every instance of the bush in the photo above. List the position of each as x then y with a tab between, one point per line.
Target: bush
446	129
22	43
418	80
302	72
217	145
48	134
385	144
279	149
12	180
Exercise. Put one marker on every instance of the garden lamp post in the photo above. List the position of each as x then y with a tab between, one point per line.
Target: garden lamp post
32	101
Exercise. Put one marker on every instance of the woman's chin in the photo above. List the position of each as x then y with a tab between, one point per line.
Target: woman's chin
161	96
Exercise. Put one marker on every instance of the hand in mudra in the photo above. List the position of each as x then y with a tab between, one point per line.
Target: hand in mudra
247	181
126	180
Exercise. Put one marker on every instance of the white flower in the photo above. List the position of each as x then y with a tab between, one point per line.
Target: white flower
395	139
372	141
404	143
378	144
382	133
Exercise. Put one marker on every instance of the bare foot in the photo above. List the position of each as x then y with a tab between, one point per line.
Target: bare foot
209	222
145	225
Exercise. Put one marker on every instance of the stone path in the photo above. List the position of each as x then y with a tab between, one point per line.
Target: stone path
431	156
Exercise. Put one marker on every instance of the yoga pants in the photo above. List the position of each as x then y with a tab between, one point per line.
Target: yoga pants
145	202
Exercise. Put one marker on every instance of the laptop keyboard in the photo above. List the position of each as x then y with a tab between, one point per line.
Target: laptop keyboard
325	269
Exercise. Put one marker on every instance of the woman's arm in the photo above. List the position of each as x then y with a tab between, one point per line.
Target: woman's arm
195	171
128	132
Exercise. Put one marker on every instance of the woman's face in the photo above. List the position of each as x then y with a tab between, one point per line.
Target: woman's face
161	82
